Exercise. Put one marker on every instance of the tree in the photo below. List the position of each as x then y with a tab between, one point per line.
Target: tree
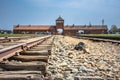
114	28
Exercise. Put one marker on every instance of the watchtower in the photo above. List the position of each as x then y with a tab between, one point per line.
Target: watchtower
59	25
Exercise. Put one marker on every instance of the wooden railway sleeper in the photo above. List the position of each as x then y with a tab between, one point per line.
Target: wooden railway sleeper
24	47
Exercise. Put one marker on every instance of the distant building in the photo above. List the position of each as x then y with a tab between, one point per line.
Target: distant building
114	32
5	31
60	28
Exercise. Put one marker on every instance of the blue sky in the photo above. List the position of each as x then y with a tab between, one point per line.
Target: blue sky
45	12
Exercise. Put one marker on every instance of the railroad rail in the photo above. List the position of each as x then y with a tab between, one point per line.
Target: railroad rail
99	39
8	39
103	37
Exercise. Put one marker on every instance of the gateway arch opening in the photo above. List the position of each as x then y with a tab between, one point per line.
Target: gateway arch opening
81	31
60	31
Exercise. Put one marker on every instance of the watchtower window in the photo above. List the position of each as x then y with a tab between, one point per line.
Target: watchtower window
59	21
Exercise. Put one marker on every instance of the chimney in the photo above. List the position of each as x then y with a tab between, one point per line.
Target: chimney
90	24
102	21
73	25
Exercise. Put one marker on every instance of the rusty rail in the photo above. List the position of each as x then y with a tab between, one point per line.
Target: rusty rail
99	39
7	39
12	50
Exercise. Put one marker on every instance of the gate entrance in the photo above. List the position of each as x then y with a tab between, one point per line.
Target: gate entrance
60	31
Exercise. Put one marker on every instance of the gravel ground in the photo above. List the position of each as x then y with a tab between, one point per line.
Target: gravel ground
66	63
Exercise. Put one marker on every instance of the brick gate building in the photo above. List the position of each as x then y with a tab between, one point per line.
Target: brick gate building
60	28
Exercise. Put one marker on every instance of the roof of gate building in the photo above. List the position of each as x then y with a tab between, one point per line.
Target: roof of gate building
85	27
33	27
66	27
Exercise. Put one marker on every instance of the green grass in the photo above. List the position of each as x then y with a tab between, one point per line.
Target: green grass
21	35
101	35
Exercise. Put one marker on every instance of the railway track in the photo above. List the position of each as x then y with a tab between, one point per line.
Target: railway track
26	61
14	41
9	39
40	60
99	39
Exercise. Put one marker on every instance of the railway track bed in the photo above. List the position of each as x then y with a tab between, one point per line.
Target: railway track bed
101	63
55	58
29	64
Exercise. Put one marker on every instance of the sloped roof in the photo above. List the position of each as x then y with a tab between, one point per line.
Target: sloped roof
33	27
59	19
85	27
67	27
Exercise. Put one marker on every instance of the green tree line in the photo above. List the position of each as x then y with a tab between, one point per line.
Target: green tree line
114	29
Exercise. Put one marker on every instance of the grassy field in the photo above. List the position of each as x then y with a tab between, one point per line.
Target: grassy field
101	35
20	35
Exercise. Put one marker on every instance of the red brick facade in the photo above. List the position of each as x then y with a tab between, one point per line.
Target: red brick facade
60	28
